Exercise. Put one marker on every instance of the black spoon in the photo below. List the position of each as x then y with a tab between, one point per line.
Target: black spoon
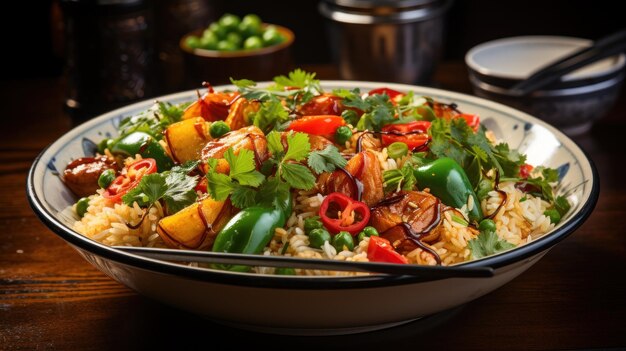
431	272
601	48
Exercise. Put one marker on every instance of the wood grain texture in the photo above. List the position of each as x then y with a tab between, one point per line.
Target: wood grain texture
50	298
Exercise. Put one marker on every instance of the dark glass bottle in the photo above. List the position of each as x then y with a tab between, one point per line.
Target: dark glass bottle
109	54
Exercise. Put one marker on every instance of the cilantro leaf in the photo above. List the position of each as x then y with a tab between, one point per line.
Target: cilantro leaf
243	167
154	121
352	98
270	114
273	193
175	188
296	78
243	196
510	160
298	147
180	191
242	83
326	160
487	243
561	205
186	167
219	185
148	191
297	176
274	143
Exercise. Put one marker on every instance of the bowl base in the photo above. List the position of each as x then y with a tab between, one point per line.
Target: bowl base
313	331
419	324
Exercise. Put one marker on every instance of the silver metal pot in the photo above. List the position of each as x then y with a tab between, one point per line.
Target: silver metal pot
386	40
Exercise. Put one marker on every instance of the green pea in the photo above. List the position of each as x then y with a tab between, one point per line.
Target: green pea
218	129
343	134
351	117
193	42
253	42
312	223
106	178
251	25
235	39
271	36
317	237
367	232
397	150
81	206
487	225
219	31
230	22
554	215
209	41
225	45
285	271
343	240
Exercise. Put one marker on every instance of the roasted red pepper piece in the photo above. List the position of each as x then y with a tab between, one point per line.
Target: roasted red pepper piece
413	134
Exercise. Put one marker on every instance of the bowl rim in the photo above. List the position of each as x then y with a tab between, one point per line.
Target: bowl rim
79	241
286	32
473	65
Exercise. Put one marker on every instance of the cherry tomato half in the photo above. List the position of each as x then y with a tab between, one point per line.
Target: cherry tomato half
134	172
380	249
413	134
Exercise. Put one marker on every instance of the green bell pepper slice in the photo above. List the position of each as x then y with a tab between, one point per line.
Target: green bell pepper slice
249	231
145	145
448	181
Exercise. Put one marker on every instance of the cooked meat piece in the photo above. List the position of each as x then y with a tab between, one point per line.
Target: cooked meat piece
81	175
251	138
368	141
365	167
421	210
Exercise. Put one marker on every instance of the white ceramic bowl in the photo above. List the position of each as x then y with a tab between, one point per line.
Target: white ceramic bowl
316	305
571	104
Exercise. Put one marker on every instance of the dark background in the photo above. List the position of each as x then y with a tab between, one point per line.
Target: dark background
32	39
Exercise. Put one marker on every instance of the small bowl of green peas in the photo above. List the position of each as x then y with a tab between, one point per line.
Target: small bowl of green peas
235	47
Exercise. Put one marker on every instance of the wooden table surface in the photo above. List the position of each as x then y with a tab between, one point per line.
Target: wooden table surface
50	298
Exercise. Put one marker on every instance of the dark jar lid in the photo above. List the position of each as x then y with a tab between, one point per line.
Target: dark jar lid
382	11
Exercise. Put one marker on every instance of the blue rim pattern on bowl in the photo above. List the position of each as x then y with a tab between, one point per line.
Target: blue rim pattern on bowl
525	130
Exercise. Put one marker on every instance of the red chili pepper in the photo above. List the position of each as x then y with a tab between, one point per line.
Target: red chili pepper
324	125
418	134
394	95
524	170
353	218
134	172
380	249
